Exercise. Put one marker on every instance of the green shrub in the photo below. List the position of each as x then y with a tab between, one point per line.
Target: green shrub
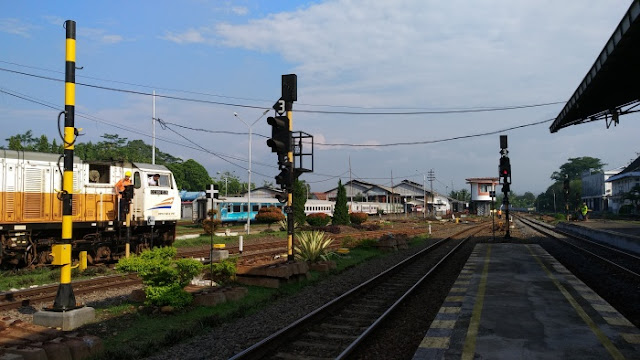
269	215
358	217
560	217
164	277
173	295
626	209
318	219
313	246
224	270
283	225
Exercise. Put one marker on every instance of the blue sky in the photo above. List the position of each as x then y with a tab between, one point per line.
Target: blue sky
364	56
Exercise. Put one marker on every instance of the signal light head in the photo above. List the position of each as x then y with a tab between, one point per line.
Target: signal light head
280	141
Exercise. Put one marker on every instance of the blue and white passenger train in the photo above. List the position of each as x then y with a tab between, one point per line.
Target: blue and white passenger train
235	209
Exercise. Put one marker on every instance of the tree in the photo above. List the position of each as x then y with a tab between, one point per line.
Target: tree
299	200
341	211
461	195
190	175
574	168
633	197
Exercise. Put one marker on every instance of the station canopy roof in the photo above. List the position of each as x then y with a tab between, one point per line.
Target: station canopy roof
612	86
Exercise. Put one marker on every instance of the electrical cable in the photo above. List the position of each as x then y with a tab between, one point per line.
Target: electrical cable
428	111
376	113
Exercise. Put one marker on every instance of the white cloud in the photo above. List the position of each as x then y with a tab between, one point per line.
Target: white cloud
240	10
99	35
16	27
112	39
187	37
457	50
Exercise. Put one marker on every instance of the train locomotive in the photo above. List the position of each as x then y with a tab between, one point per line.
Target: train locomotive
31	210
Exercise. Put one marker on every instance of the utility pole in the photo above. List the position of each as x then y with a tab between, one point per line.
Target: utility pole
432	176
392	191
153	125
350	186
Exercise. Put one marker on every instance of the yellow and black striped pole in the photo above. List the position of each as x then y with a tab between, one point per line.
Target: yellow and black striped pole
65	298
290	219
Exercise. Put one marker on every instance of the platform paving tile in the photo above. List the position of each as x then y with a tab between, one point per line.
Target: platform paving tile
520	303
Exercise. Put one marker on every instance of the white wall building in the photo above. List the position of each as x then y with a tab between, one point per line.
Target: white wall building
480	194
596	191
622	183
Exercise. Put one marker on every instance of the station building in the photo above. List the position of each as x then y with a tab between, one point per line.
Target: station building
480	195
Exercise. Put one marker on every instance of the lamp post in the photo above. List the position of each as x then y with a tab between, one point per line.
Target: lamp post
249	170
226	183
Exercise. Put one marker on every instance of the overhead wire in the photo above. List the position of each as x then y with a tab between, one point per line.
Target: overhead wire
376	113
427	111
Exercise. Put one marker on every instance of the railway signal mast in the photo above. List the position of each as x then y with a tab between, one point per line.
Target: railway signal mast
280	143
504	170
288	146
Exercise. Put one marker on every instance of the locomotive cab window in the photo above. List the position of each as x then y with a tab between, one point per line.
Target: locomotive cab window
99	174
163	180
136	180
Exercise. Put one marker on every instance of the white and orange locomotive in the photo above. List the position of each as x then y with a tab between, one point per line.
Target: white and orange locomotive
31	212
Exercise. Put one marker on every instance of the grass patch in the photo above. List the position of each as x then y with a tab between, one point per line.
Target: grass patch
138	335
206	239
23	278
182	229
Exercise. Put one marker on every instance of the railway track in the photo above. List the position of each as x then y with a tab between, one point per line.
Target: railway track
335	330
267	250
252	252
47	293
620	260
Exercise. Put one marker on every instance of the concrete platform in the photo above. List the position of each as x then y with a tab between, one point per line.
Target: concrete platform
623	235
617	226
515	301
65	320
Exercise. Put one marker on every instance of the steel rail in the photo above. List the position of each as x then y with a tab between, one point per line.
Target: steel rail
259	349
397	303
550	233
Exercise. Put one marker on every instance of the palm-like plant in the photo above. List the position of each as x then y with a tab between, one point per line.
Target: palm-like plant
313	246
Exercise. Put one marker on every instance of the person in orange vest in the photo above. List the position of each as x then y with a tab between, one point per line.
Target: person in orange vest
120	186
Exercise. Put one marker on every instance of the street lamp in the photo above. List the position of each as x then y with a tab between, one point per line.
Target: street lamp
226	179
249	170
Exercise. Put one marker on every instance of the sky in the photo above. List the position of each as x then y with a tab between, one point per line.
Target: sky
207	60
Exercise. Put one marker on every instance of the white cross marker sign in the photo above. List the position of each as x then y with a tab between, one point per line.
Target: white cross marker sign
212	191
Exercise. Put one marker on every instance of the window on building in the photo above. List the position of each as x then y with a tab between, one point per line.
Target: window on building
485	188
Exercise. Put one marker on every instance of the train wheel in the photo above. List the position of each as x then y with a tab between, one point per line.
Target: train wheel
103	253
90	258
30	255
141	247
44	257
